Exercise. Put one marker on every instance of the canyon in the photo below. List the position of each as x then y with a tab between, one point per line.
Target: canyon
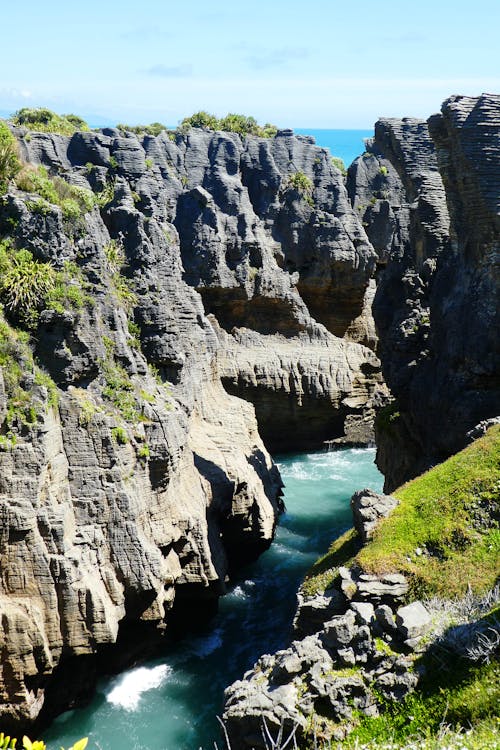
225	309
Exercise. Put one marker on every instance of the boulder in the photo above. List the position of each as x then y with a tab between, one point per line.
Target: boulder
368	507
413	620
313	611
385	618
365	612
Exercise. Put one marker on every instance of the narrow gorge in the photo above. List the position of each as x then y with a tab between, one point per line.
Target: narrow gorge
205	300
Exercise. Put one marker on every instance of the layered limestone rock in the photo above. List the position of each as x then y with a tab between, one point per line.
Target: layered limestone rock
131	481
428	194
304	390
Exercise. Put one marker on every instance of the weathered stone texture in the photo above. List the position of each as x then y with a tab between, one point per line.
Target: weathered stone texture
149	482
429	195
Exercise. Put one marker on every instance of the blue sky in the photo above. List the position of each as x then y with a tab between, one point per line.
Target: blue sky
307	63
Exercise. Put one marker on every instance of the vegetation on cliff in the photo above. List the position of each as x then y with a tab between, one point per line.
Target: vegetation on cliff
444	535
231	123
46	121
9	157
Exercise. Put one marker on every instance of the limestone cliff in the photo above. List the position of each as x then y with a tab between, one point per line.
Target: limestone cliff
131	481
428	194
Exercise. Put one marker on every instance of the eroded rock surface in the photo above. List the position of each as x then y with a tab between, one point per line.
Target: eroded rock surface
131	481
354	650
429	196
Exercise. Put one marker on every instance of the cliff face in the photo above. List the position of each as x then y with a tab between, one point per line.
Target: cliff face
429	194
130	479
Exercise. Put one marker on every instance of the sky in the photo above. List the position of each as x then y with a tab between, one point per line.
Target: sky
295	63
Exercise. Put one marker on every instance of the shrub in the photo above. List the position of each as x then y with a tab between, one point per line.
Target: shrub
114	255
200	120
27	286
302	184
119	390
72	199
232	123
339	163
46	121
16	361
78	122
24	283
143	452
9	157
123	291
70	209
120	435
106	195
68	290
155	128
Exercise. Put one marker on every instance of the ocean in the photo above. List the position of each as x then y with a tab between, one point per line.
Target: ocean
347	144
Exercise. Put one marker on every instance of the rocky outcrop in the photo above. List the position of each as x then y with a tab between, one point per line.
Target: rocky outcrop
304	390
131	481
355	650
428	195
368	507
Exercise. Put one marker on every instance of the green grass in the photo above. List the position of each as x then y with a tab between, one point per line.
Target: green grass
16	361
439	513
72	199
449	513
324	571
459	696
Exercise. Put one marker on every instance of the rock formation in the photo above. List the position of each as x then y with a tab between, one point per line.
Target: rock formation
355	649
131	481
429	196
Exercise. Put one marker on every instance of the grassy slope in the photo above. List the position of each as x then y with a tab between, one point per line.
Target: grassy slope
450	514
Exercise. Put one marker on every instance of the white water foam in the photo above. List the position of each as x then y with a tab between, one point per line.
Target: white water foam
297	471
128	690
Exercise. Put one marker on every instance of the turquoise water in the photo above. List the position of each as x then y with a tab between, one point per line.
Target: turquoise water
171	703
347	144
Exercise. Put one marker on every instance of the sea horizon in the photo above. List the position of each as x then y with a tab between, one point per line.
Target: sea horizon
345	143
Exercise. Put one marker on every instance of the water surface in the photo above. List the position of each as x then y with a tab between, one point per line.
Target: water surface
347	144
171	703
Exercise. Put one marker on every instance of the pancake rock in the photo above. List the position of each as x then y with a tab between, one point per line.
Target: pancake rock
131	482
429	196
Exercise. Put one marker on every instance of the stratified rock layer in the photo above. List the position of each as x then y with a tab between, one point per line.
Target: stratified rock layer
143	482
429	195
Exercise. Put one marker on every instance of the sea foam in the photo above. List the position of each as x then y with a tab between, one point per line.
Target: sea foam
128	690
